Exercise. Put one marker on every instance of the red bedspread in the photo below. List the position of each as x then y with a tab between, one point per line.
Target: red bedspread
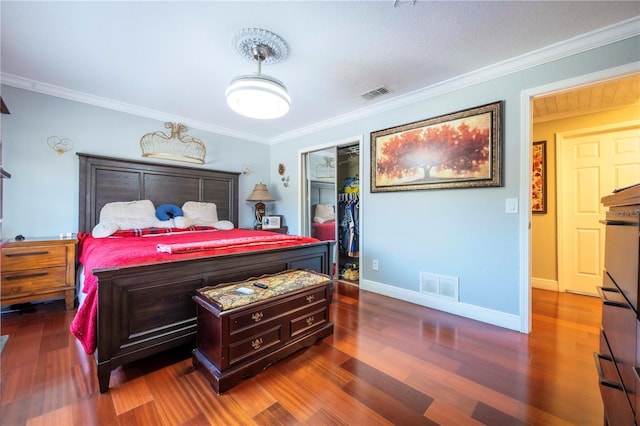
97	253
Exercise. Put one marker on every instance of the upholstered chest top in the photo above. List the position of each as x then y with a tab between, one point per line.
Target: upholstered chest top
228	296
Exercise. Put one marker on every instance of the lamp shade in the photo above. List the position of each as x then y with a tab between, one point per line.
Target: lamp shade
258	96
260	193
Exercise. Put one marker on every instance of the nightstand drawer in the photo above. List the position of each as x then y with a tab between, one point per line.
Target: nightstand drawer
21	258
32	281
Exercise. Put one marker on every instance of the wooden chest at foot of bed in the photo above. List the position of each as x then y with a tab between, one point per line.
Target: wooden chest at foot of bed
239	335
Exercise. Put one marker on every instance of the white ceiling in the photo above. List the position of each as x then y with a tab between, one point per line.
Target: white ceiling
173	60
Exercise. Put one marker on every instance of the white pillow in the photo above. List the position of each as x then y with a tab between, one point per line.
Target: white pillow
182	222
323	213
199	214
223	225
131	215
317	219
103	230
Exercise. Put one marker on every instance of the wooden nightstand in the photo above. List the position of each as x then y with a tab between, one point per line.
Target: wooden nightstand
38	268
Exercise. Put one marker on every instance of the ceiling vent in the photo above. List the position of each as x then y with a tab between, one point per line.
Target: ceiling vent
376	92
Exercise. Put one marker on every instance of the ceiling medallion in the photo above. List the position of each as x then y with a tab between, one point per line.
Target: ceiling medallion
245	40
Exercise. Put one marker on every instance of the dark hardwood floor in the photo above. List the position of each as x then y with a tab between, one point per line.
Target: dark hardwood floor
388	362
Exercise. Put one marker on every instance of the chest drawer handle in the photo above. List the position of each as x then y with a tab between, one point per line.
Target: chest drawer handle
310	320
256	343
257	316
31	274
310	298
29	253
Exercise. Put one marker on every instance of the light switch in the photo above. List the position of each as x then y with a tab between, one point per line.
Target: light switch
511	205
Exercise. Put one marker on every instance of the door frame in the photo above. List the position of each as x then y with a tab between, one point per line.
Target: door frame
526	136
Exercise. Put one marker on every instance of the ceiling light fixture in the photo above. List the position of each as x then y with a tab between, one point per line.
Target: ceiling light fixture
259	95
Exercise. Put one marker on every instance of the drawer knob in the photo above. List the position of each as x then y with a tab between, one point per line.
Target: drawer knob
256	343
310	320
310	298
256	316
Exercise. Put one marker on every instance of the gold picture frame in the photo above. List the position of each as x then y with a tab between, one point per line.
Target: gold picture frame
458	150
539	177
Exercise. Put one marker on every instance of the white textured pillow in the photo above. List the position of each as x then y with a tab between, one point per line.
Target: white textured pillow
103	230
131	214
199	214
323	213
223	225
182	222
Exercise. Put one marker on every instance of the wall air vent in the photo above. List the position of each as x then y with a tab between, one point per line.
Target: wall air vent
376	92
440	285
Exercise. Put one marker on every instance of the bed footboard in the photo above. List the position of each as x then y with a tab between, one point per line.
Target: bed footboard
143	310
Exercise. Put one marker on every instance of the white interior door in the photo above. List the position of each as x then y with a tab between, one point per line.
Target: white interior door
591	164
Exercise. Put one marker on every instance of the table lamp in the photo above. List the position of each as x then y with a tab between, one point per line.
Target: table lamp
260	193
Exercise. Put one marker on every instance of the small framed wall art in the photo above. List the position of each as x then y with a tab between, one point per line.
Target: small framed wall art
539	177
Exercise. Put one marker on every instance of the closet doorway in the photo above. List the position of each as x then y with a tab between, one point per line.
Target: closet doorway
330	207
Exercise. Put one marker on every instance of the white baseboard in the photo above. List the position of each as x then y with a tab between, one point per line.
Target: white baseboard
544	284
477	313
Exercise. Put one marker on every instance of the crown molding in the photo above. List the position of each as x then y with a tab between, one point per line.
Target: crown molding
584	42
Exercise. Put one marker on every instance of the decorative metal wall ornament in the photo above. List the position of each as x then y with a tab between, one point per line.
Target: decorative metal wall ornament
281	171
174	146
59	145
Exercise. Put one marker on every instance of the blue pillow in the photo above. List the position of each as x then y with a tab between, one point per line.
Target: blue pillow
168	211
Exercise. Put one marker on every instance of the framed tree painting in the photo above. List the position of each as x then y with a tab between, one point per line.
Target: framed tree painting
457	150
539	177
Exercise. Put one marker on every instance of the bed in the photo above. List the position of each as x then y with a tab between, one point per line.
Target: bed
143	309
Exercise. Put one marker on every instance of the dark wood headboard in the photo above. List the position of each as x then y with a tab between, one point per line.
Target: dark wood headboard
106	179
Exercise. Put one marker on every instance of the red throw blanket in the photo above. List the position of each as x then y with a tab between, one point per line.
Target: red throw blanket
97	253
261	241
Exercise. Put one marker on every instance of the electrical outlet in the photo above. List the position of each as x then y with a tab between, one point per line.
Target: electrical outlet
375	265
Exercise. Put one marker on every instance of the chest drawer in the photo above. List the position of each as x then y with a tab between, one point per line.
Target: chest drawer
306	321
32	281
255	345
240	321
32	257
618	323
622	249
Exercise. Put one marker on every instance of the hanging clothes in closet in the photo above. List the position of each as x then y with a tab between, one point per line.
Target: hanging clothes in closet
348	230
